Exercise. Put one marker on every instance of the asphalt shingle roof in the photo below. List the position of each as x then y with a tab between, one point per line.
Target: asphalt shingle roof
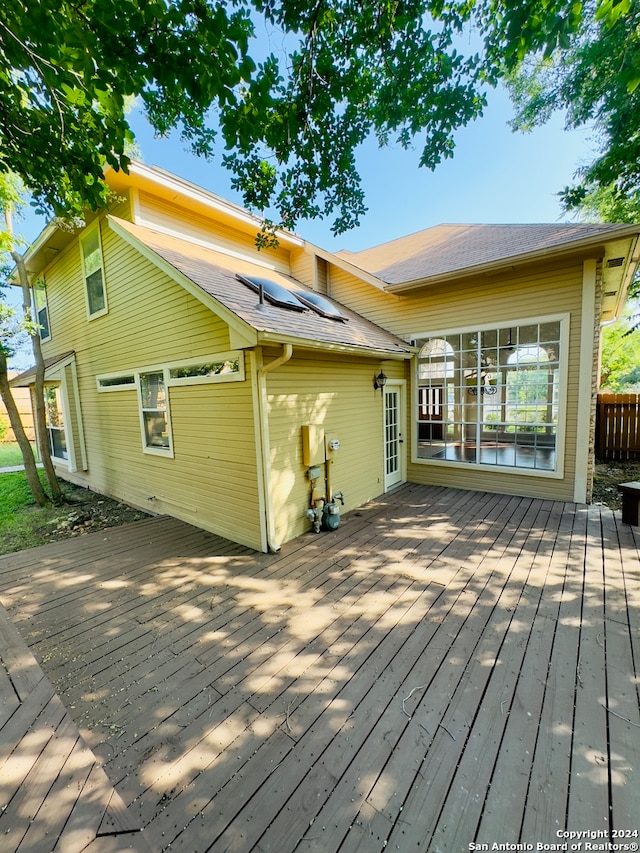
27	377
448	249
215	273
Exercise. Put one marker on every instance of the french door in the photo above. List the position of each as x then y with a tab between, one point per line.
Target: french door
394	415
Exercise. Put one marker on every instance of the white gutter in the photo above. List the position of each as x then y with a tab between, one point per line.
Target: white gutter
273	338
287	351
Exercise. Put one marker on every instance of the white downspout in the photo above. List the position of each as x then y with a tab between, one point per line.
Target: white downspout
287	351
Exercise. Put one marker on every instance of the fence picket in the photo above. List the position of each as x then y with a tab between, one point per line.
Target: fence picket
617	426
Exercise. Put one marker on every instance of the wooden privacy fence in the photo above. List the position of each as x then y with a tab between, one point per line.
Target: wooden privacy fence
618	426
22	397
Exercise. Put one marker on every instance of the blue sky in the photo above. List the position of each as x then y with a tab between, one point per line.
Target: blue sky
495	176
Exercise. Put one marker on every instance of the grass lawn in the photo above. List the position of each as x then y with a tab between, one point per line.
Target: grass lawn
10	454
21	520
23	524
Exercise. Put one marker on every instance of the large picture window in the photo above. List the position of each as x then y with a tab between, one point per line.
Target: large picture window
491	396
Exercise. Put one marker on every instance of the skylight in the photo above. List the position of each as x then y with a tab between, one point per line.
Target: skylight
320	305
274	293
298	300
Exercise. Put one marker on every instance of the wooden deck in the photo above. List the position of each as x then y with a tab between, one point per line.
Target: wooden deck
53	791
447	669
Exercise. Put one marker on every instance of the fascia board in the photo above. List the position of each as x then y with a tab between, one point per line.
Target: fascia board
50	372
311	344
244	335
40	242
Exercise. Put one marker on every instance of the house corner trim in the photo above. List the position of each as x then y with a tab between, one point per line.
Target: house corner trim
584	438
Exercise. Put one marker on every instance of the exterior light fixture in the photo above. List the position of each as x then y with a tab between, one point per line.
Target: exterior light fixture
379	381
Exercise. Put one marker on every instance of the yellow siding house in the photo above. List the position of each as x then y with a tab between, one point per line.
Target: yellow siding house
260	394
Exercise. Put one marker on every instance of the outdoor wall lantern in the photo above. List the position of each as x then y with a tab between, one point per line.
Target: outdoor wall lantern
379	381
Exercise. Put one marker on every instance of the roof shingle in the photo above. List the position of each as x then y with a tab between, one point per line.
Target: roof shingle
215	273
447	249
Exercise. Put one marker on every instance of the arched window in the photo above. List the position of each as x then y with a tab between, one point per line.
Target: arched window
530	354
435	360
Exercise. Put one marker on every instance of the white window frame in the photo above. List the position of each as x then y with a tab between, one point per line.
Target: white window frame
132	382
152	450
61	402
40	286
558	471
83	239
232	355
108	382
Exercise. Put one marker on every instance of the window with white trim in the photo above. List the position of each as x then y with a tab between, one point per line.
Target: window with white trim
94	273
154	412
491	396
54	419
227	367
152	387
41	309
117	382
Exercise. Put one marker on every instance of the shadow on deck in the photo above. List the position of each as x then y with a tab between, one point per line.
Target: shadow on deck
446	669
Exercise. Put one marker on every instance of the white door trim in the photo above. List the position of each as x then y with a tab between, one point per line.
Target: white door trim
394	433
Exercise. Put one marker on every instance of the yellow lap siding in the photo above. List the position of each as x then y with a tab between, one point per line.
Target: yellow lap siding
337	394
481	301
303	267
162	215
212	479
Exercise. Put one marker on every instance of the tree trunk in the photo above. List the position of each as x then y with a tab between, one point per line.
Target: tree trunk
39	414
30	468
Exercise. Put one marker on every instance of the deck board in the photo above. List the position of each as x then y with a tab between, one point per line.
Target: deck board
522	710
622	679
589	791
447	667
45	767
550	770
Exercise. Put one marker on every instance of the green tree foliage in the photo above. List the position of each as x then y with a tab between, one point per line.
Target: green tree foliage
9	329
621	355
594	77
11	259
290	121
